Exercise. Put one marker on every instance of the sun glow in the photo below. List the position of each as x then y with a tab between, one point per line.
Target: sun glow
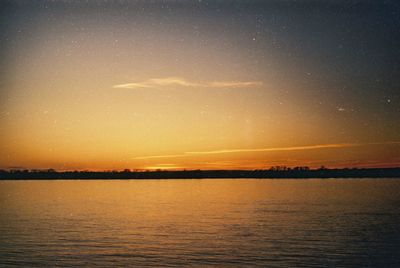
199	89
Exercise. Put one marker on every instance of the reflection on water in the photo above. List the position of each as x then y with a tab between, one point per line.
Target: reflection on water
274	223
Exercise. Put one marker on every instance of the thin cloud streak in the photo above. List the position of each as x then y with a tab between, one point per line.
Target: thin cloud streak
292	148
157	156
181	82
132	85
310	147
234	84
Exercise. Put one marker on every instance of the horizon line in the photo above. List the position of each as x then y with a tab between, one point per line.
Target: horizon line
181	169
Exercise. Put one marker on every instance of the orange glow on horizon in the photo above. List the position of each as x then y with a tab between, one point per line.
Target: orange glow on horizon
167	90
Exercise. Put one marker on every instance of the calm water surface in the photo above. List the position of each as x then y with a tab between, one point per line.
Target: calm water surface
232	222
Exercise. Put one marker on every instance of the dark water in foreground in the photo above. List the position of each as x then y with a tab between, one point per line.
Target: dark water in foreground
266	223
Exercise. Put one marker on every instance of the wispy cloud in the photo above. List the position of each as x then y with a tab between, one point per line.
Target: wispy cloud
158	156
274	149
236	84
181	82
295	148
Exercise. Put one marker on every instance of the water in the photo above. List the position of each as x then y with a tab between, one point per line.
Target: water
230	223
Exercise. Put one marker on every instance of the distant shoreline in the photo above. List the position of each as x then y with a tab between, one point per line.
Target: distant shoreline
204	174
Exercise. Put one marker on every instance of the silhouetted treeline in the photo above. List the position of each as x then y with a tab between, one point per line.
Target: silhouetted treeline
275	172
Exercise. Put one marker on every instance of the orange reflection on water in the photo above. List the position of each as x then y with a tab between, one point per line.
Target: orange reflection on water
202	222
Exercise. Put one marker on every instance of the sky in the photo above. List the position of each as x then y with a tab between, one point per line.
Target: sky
109	85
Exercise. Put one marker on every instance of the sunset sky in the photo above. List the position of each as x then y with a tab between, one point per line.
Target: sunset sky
199	84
